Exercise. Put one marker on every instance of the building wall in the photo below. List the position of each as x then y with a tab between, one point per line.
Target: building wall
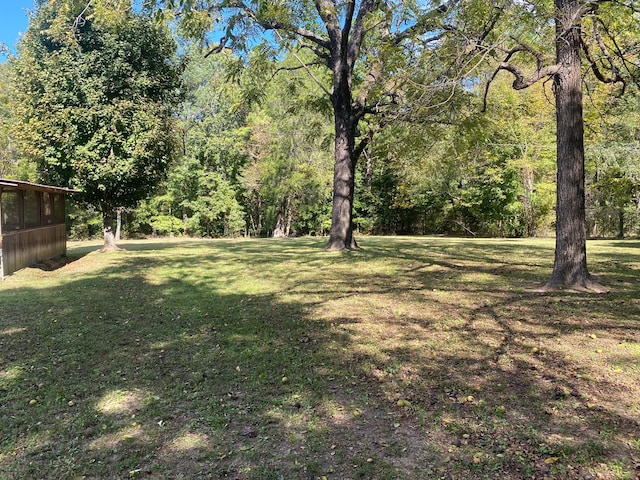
32	225
26	247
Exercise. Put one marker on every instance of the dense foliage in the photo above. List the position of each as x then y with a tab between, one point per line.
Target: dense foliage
256	132
95	103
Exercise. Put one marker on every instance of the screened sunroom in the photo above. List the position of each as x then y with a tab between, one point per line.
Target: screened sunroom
32	224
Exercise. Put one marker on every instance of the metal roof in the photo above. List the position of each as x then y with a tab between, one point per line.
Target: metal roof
35	186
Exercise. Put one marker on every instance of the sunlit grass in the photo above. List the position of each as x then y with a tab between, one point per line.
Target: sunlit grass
411	358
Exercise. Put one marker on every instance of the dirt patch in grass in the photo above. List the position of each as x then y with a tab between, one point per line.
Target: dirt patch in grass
412	358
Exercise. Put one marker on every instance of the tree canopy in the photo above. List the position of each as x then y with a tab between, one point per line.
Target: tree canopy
324	118
96	101
359	44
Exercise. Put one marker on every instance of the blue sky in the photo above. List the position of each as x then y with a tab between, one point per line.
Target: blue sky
13	20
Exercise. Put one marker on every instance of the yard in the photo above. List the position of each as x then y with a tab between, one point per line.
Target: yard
413	358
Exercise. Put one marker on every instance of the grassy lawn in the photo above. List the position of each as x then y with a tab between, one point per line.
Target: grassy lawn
414	358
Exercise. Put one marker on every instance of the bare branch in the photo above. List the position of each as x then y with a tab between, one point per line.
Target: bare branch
619	52
293	69
521	81
422	26
322	54
272	24
615	76
308	70
357	151
80	19
218	48
523	47
300	32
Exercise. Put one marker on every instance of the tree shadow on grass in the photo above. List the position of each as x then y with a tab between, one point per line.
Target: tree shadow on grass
141	375
52	264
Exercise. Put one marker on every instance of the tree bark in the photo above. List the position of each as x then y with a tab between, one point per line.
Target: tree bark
527	202
621	223
185	220
118	224
570	265
289	215
341	233
278	231
109	238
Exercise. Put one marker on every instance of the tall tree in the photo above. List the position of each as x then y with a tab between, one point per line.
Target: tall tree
572	44
96	96
8	161
356	41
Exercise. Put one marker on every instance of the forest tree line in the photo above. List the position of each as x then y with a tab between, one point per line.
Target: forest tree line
253	134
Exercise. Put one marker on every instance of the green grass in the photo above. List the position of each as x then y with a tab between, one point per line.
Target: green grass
270	359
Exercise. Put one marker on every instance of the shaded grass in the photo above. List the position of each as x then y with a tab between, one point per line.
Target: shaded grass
257	359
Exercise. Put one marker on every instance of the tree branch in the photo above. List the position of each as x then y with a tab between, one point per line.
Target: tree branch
218	48
80	19
317	52
357	151
355	40
304	66
327	11
376	70
348	23
422	25
619	53
615	76
521	81
271	24
300	32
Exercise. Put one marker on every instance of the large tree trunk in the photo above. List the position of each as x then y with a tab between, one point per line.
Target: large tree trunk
341	233
570	265
109	237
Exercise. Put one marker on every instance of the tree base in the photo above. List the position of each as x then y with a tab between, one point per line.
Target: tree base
587	286
110	248
339	246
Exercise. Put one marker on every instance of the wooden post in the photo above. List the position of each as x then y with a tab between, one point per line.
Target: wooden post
1	266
